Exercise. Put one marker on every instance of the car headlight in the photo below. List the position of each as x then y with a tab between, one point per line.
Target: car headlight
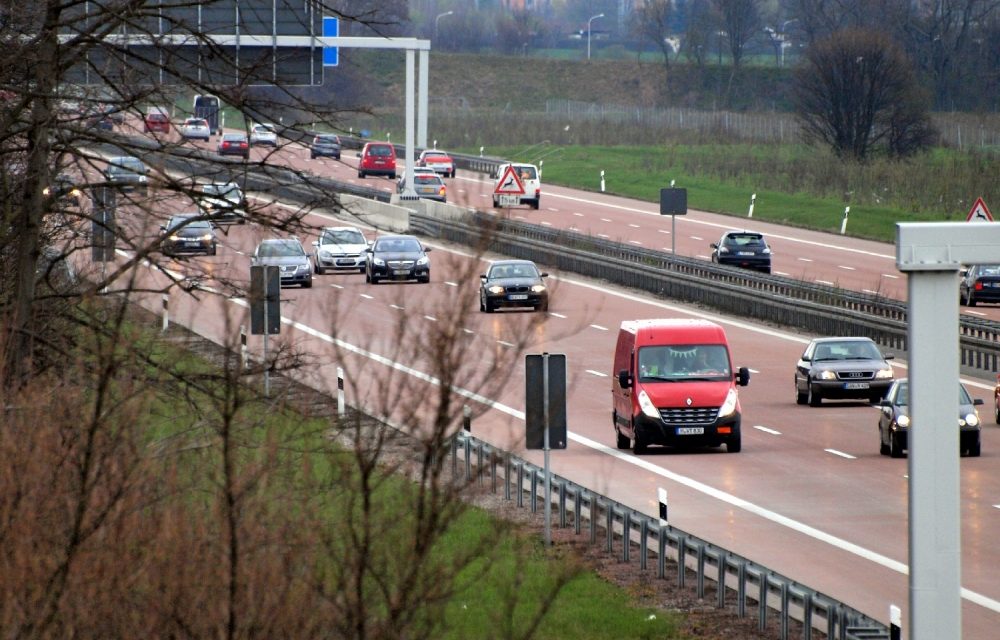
970	420
729	406
45	191
827	375
325	254
647	406
903	421
207	237
378	262
302	267
142	178
884	374
495	289
422	261
538	288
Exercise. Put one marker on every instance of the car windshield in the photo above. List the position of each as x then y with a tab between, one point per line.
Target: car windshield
426	178
228	191
500	271
326	140
194	122
280	249
847	350
684	362
745	239
903	395
188	223
233	137
397	245
435	157
128	165
989	270
342	236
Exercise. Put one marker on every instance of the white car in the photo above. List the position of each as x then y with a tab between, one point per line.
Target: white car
196	129
340	248
224	202
263	134
505	187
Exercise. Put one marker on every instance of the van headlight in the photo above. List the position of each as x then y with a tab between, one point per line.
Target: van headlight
647	406
970	420
903	421
728	407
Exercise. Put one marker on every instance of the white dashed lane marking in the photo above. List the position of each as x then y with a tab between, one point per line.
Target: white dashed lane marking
840	453
431	318
635	242
557	315
804	259
396	306
890	275
597	373
578	215
699	238
826	282
766	430
663	231
367	297
506	344
605	219
337	286
546	223
634	226
450	283
603	235
599	327
845	267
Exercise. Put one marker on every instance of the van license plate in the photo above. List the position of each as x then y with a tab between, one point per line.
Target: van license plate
690	431
856	385
510	201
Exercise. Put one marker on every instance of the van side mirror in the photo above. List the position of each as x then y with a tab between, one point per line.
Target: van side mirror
978	401
624	379
743	377
714	245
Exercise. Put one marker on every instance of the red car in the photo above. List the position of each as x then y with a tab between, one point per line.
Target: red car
377	159
157	119
234	144
439	161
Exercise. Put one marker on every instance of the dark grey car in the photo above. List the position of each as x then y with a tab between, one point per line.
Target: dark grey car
290	256
127	173
894	421
979	283
746	249
842	368
325	144
397	258
188	234
513	283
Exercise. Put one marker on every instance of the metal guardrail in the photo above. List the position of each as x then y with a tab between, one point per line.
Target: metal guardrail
626	531
819	309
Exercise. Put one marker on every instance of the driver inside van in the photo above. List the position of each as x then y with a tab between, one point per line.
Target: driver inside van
652	362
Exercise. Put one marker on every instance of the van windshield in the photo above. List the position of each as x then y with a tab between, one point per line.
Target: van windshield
677	363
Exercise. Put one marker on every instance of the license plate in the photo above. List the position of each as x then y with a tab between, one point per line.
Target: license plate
518	296
690	431
856	385
193	244
744	253
510	201
400	272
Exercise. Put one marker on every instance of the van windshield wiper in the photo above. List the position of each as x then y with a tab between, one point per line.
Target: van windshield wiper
663	379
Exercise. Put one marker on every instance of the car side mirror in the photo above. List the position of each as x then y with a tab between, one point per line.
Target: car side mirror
427	249
482	276
543	275
888	356
977	401
315	243
806	358
714	245
624	379
743	377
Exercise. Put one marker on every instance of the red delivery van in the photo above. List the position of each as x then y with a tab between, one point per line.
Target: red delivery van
674	384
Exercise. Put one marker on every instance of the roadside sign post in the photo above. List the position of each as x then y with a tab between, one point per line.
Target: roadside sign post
673	203
545	415
509	188
265	308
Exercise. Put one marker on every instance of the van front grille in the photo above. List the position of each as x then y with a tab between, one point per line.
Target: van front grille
689	415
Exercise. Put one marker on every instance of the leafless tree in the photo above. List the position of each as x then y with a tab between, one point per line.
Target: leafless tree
740	21
856	92
651	23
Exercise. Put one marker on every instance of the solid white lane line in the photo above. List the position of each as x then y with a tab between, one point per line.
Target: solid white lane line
546	223
597	373
826	282
635	242
840	453
599	327
766	430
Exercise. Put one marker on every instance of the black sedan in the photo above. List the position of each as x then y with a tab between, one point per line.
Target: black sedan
743	249
979	283
397	258
188	234
287	254
325	144
127	173
513	283
894	421
842	368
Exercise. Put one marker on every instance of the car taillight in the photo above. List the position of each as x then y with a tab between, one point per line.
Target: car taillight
979	286
441	191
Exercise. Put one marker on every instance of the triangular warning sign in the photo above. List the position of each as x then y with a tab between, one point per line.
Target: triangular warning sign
509	183
979	212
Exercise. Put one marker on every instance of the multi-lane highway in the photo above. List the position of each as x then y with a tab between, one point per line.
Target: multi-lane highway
809	496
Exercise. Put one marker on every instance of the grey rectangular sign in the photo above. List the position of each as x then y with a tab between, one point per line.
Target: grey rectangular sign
265	300
534	409
673	201
102	225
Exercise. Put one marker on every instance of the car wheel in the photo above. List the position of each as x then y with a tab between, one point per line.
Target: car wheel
482	307
373	279
813	396
975	449
312	156
620	440
496	203
426	279
883	448
307	284
318	269
536	203
213	251
361	174
488	306
734	443
895	451
800	398
996	412
969	300
638	444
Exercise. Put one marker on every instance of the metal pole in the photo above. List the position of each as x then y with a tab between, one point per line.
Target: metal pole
423	66
243	346
548	477
341	405
673	233
935	513
166	313
267	330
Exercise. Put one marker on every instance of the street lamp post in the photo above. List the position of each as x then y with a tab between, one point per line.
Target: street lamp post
440	15
592	18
